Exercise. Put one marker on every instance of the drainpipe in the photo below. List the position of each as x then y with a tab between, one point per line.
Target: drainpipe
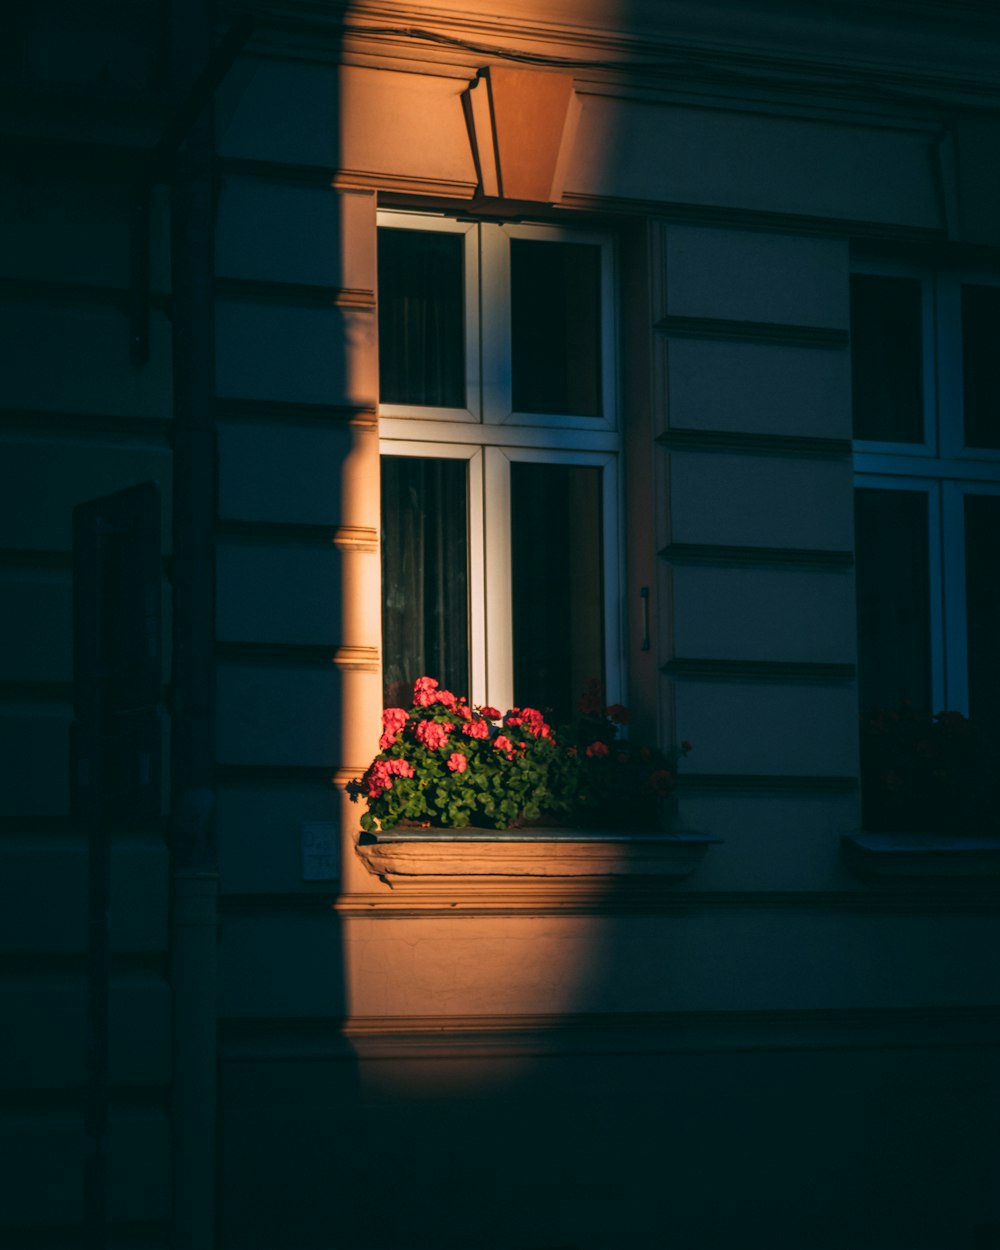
194	870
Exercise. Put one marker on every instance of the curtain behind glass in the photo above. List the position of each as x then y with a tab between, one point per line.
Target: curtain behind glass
893	591
556	327
887	387
558	591
421	319
425	590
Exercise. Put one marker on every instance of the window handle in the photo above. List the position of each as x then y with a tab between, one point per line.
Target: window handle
644	596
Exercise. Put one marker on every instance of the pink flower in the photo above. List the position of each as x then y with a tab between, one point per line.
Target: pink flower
432	735
490	713
425	691
476	729
393	720
446	698
532	720
401	768
618	714
597	750
464	710
457	762
379	778
504	745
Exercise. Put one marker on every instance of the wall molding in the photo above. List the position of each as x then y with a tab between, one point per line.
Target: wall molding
274	533
772	783
25	422
279	412
828	337
603	1034
276	654
297	294
777	557
781	671
746	443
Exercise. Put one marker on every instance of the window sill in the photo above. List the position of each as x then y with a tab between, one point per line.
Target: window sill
883	856
404	854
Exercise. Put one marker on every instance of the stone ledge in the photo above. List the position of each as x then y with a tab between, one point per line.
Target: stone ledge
927	855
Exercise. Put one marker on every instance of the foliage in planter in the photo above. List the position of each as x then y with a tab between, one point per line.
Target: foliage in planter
617	783
924	773
446	764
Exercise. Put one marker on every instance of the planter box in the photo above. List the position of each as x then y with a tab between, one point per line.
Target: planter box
405	854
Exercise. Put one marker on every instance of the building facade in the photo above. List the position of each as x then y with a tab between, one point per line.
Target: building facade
718	283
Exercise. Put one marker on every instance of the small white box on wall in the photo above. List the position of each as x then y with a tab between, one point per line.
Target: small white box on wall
320	850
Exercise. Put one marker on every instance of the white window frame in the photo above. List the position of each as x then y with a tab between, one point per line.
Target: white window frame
489	436
942	468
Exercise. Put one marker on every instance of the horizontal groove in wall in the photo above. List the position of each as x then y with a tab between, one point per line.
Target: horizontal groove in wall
41	1235
275	533
285	172
766	220
757	783
429	1037
568	900
275	774
753	332
47	692
40	291
300	294
778	557
122	1099
274	411
730	442
154	430
277	654
32	830
346	180
66	965
805	673
13	559
315	899
119	160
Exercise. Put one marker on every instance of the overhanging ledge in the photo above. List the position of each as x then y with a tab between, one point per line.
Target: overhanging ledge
402	855
894	856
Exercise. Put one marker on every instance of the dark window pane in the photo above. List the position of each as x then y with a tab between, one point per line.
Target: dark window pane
893	591
982	582
425	587
886	359
558	591
556	327
980	367
421	319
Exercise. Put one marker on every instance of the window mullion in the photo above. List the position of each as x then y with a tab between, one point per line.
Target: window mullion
495	324
938	612
499	638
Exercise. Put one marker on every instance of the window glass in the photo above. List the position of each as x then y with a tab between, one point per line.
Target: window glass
425	585
556	327
893	594
981	365
558	592
886	360
421	318
982	588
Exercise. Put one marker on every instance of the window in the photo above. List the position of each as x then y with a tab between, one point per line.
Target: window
500	460
926	402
